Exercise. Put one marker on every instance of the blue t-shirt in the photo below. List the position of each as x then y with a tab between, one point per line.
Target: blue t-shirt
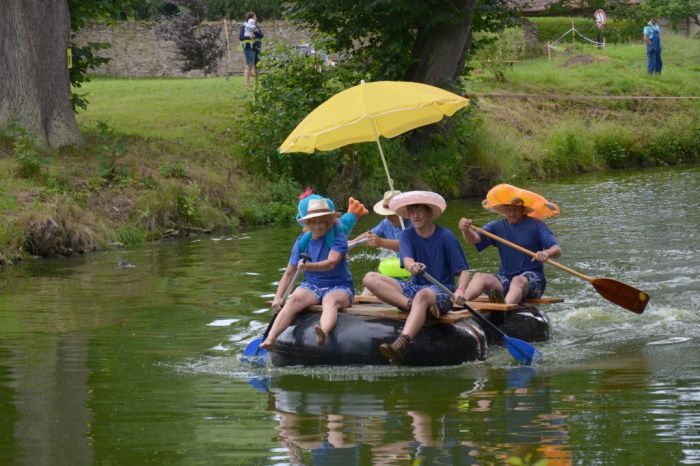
531	234
440	252
385	229
319	251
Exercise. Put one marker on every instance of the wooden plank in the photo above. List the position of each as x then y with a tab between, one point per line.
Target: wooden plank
389	312
360	299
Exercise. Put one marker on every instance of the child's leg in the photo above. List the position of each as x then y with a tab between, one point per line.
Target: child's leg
299	300
480	283
386	289
419	312
331	302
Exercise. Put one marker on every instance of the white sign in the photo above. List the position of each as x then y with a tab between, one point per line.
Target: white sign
599	16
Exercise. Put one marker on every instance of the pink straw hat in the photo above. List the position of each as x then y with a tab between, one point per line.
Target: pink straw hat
400	202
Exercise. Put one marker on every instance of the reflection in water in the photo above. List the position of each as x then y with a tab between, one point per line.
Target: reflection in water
424	418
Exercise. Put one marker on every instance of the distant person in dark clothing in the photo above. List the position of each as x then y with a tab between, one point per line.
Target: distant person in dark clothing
652	37
250	36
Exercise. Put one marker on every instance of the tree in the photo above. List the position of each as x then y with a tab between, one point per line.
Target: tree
34	78
401	39
675	11
35	82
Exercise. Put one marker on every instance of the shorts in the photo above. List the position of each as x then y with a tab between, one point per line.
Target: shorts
535	284
443	300
252	56
320	292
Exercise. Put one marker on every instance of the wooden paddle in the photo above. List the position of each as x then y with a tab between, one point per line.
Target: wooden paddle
253	353
522	351
614	291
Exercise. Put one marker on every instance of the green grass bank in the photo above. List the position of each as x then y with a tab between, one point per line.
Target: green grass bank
161	156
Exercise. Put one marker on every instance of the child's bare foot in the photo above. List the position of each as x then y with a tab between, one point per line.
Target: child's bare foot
320	335
266	344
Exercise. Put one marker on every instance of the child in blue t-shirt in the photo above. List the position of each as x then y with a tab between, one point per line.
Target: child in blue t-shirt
520	276
327	279
425	247
386	233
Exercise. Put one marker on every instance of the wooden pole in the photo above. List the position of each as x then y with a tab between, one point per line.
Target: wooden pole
549	52
228	49
573	31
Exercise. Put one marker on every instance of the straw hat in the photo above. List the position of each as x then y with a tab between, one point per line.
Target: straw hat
400	202
382	207
318	208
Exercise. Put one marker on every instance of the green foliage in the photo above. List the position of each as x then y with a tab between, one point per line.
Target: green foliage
12	240
383	39
677	11
132	235
173	170
110	151
84	59
568	151
276	204
292	86
264	9
495	51
615	31
24	145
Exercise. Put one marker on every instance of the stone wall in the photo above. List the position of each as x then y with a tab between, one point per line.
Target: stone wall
137	51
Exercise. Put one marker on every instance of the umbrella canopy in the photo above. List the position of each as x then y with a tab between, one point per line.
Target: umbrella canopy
364	112
535	205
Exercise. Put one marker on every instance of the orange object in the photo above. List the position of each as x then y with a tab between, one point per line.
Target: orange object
535	205
356	207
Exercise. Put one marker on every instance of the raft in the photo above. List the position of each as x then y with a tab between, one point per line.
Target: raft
453	339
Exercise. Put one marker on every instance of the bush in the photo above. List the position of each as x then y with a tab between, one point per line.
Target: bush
567	151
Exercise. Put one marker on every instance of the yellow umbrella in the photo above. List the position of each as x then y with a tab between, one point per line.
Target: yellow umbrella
363	113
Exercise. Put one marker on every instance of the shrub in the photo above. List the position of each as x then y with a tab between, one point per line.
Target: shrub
567	151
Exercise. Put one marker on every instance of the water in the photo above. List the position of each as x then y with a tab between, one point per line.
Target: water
102	364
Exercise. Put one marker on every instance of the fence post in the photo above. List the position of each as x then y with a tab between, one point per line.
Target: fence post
549	52
573	31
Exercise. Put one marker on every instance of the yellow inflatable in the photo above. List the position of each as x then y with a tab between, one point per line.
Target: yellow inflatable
535	205
391	267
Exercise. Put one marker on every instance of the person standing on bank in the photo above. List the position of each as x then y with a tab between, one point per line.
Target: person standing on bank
250	36
652	37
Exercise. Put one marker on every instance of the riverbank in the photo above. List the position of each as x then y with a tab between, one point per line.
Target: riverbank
161	157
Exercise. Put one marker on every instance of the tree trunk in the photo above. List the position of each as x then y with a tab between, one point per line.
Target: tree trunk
34	80
441	50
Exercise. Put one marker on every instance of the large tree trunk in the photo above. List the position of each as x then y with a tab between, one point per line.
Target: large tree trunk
441	50
34	80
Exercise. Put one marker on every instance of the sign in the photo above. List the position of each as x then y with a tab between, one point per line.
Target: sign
599	16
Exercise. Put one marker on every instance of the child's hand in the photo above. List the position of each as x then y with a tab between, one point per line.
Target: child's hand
417	268
372	239
465	224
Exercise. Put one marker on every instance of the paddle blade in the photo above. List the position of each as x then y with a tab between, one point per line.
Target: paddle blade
523	352
253	354
621	294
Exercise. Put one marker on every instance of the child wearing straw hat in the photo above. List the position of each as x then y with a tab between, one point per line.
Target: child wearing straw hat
327	279
386	233
425	247
520	276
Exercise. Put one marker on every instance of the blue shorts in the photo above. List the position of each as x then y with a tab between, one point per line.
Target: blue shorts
252	56
443	300
320	292
535	284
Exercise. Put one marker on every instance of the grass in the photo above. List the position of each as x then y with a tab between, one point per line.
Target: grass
546	138
196	114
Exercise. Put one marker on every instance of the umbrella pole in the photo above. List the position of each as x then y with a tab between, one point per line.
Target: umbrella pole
386	167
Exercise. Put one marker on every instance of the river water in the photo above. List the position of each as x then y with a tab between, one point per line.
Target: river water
102	364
